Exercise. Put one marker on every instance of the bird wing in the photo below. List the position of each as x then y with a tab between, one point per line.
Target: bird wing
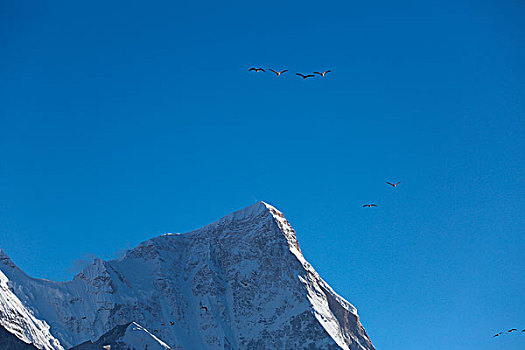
300	74
286	70
391	184
318	73
274	71
328	71
365	205
262	69
310	75
397	183
373	205
249	70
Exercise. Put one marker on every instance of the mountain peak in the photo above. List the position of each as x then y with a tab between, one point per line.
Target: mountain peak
253	210
260	212
96	268
238	283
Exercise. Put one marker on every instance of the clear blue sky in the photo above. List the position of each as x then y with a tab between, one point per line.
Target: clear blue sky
123	120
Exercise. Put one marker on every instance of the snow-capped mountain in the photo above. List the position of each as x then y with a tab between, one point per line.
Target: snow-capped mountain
16	322
239	283
125	337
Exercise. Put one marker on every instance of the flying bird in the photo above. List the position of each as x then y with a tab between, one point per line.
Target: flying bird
279	73
523	330
172	323
256	70
512	330
204	307
393	185
305	76
497	335
245	284
369	205
84	317
323	73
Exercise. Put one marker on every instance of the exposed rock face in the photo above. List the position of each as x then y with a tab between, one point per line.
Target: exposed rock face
9	341
239	283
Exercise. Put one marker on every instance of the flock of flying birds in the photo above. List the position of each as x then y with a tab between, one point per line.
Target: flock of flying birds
509	331
321	74
394	185
278	73
375	205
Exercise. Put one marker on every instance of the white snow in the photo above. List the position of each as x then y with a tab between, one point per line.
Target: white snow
139	337
16	319
246	269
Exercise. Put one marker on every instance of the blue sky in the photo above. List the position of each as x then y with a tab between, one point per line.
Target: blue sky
121	121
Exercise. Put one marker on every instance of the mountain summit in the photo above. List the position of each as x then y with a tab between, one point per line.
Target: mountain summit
239	283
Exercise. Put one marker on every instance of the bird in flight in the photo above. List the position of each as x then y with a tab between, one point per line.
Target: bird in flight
172	323
245	284
204	307
279	73
512	330
84	317
305	76
393	185
369	205
323	73
256	70
497	335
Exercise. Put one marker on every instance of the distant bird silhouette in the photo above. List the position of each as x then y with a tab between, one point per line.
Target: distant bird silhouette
84	317
172	323
204	307
369	205
245	284
497	335
393	185
523	330
155	330
323	73
279	73
512	330
256	70
305	76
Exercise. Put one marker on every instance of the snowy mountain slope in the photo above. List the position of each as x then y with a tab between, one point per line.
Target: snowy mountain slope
124	337
239	283
16	320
